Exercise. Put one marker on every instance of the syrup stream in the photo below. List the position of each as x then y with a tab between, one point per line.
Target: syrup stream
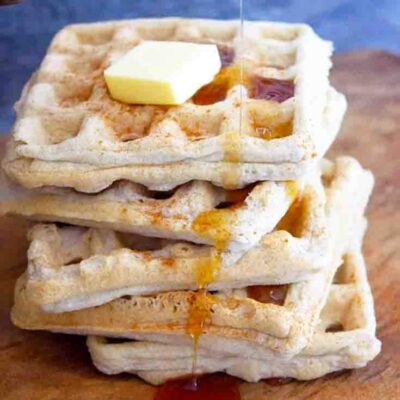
201	308
241	64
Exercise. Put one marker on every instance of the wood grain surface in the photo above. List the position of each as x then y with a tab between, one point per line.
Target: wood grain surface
40	365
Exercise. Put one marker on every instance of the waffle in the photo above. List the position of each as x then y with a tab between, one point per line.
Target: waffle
344	338
231	220
280	320
70	132
71	268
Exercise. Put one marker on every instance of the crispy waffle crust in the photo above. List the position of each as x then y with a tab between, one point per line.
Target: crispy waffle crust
282	328
69	131
344	338
71	268
239	217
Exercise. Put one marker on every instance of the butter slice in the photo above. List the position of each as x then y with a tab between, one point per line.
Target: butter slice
162	72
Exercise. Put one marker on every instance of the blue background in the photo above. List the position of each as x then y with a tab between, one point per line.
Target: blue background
26	28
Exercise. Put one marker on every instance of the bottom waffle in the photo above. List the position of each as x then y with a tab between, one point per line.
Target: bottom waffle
344	338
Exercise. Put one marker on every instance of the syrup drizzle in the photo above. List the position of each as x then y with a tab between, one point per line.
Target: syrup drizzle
198	317
215	224
207	269
231	178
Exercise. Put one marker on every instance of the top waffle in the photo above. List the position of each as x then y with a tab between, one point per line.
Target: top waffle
66	114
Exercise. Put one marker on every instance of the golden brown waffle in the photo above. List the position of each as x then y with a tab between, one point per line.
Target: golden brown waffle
72	128
280	319
344	338
71	268
231	220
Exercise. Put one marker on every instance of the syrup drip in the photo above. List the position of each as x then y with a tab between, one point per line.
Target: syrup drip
295	219
232	155
215	225
209	387
207	269
274	294
199	316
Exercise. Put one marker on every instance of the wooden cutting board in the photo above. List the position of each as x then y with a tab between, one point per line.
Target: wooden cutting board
39	365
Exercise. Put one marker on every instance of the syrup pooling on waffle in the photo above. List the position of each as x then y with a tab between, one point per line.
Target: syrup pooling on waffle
217	224
105	135
263	117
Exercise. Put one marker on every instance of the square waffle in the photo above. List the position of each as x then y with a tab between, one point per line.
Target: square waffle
70	132
71	268
279	319
344	338
230	220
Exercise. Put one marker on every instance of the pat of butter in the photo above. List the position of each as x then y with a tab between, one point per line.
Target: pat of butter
162	72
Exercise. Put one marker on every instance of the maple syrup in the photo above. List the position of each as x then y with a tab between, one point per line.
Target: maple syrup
270	89
223	81
274	294
235	198
258	87
208	387
295	219
215	225
273	130
232	156
206	269
217	90
198	316
336	327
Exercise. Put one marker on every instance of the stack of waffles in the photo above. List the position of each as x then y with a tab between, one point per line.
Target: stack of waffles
210	236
